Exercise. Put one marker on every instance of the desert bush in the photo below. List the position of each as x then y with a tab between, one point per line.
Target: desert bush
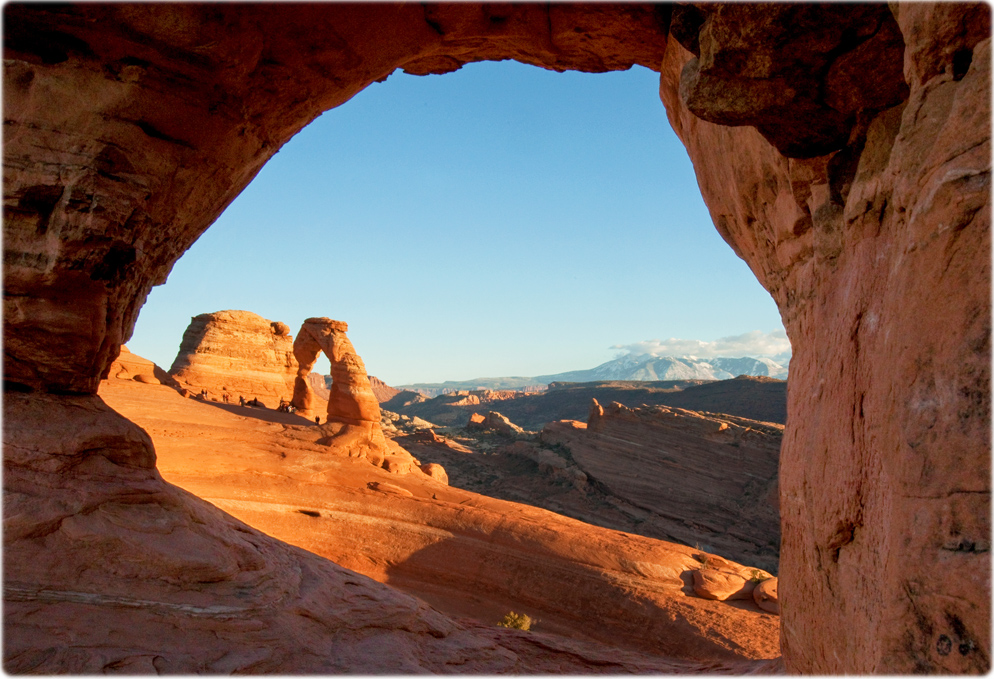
516	621
758	575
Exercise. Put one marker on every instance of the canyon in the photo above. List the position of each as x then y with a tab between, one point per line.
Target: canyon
843	152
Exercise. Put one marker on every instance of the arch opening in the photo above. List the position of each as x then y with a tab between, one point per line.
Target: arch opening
838	216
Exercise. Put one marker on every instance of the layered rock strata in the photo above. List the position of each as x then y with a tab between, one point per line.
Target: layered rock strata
383	391
237	352
707	479
862	204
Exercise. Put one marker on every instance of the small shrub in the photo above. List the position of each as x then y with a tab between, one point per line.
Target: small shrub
758	575
516	621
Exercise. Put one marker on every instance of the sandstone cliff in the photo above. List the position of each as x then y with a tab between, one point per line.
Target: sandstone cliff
239	352
382	390
704	478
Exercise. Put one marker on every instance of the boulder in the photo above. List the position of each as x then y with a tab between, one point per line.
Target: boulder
765	596
721	585
494	422
436	471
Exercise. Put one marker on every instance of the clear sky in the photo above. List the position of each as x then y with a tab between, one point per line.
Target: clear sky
500	220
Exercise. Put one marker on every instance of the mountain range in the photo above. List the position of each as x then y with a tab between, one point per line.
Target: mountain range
630	367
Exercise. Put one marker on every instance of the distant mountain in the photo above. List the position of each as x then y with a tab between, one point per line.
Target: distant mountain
631	367
433	389
648	368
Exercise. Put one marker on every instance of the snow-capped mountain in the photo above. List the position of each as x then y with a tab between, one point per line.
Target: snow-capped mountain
633	367
645	367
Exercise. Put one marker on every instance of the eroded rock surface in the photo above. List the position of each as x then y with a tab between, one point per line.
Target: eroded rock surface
237	352
129	129
469	556
878	256
129	366
115	570
706	478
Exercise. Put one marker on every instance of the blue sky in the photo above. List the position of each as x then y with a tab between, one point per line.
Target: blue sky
499	220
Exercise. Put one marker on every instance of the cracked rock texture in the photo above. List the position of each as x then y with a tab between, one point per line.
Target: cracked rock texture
865	213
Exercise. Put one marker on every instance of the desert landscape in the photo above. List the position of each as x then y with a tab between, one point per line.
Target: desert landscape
238	512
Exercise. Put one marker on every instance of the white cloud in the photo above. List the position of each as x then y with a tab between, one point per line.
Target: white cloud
755	343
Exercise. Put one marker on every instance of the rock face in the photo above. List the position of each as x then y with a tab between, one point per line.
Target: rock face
844	154
129	366
875	247
382	390
707	479
239	352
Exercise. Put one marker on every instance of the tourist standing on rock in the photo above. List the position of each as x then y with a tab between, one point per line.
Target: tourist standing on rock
241	400
317	419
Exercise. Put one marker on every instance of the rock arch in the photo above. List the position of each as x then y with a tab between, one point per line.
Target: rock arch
843	151
353	411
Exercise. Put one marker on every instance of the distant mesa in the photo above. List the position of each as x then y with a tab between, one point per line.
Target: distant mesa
239	352
382	390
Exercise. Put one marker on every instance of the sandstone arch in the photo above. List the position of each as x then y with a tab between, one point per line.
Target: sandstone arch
847	161
353	411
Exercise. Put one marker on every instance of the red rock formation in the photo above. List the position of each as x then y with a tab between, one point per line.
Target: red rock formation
765	596
353	414
878	256
706	478
494	422
129	366
469	555
382	390
238	352
129	129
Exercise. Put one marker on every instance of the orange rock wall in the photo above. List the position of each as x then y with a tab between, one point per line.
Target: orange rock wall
129	128
878	256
